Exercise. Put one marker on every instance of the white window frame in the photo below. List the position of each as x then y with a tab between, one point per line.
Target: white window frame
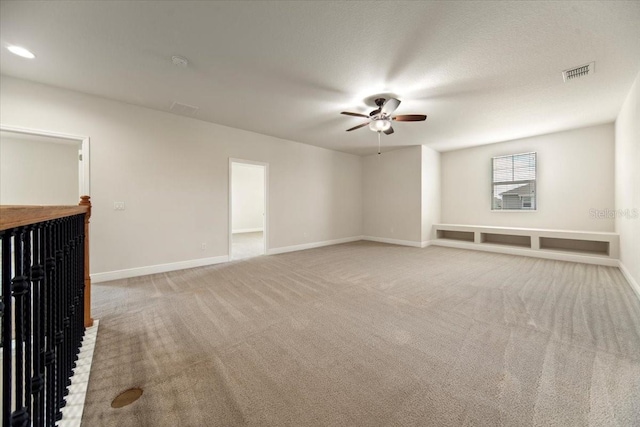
533	198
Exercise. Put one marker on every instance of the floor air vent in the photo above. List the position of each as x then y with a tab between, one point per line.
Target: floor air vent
577	72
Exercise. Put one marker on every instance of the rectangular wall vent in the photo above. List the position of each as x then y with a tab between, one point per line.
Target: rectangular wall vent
577	72
184	109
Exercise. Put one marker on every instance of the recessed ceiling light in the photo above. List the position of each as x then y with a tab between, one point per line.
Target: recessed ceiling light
20	51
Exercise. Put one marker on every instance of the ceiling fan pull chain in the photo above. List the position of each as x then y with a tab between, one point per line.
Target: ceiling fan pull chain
378	142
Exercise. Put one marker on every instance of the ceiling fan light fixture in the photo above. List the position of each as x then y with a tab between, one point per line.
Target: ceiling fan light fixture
380	125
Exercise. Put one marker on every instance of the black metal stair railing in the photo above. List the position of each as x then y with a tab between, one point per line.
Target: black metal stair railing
42	312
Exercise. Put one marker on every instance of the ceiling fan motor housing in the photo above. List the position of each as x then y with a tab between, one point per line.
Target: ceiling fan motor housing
379	102
380	119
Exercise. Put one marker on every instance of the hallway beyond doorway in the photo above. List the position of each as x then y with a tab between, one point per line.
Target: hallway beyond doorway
247	245
248	207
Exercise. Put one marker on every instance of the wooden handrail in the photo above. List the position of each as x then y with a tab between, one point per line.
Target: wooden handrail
18	216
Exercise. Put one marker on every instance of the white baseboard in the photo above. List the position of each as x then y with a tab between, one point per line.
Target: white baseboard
181	265
247	230
426	243
558	256
152	269
632	282
394	241
285	249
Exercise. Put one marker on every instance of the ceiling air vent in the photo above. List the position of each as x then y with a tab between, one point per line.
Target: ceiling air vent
184	109
577	72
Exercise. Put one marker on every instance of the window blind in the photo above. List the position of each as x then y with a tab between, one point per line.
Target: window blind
514	182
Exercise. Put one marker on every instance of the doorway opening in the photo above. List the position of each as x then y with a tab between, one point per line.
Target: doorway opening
42	168
248	201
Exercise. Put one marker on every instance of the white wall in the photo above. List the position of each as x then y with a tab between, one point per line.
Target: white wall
628	182
392	207
247	195
37	172
430	191
172	172
575	176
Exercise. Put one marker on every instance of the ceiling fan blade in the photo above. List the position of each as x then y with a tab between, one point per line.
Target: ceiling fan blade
388	131
357	127
390	106
410	118
346	113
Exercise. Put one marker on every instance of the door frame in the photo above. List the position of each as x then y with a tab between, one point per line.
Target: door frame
84	179
265	232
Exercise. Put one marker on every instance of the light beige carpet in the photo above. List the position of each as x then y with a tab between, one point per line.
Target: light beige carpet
366	334
247	245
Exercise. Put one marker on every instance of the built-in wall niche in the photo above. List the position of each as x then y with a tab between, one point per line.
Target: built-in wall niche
593	247
464	236
506	239
575	245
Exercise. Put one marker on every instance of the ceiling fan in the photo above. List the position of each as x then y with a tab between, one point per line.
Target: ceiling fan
380	119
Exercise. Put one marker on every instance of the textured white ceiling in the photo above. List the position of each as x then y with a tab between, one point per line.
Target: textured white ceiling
482	71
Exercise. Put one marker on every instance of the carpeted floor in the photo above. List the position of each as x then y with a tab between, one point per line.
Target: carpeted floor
247	245
367	334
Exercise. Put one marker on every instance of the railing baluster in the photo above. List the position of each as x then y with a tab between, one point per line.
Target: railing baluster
49	355
67	307
37	277
58	292
20	291
42	317
7	356
27	305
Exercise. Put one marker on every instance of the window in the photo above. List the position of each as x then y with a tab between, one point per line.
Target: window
514	182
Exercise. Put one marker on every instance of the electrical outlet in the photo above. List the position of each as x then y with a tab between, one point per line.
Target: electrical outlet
203	246
118	206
